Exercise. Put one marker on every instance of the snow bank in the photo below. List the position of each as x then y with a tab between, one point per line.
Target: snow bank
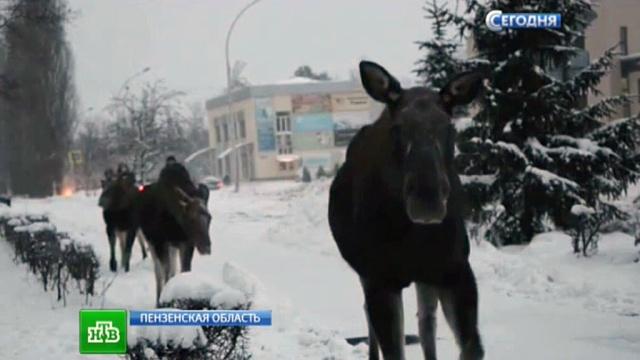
229	299
35	227
547	270
189	285
305	226
297	80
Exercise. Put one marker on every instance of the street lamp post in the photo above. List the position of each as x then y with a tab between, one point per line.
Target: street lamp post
236	154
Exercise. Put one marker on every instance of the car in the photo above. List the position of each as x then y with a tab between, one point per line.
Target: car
212	182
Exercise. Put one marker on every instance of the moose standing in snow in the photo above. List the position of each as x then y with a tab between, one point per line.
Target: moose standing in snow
173	218
395	211
117	199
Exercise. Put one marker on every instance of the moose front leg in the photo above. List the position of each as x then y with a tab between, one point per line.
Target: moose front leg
460	306
385	313
130	238
186	255
427	305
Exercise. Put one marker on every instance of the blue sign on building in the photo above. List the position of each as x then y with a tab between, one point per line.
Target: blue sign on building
265	120
312	122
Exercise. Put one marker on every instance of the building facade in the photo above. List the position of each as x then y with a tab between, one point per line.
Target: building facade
617	23
278	129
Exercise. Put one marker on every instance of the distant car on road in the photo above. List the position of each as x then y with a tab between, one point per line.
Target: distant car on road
212	182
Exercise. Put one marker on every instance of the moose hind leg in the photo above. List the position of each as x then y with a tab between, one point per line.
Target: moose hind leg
385	313
122	243
111	235
142	248
460	306
160	260
427	297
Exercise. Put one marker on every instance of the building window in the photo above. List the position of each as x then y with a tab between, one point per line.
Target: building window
218	137
284	143
624	44
241	124
225	131
283	122
283	166
283	133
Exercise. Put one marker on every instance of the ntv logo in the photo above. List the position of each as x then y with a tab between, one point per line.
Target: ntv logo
103	332
496	20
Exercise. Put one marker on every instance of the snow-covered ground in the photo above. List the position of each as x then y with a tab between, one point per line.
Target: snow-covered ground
272	240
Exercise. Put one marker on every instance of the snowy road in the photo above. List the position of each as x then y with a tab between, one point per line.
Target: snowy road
538	302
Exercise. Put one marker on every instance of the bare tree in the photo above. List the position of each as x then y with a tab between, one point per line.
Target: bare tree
92	141
306	72
148	125
38	94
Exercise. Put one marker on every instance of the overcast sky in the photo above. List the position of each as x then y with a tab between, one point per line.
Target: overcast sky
182	41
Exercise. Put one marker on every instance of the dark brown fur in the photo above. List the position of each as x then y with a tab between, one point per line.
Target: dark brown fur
388	249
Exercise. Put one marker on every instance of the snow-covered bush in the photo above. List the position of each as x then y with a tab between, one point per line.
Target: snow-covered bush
51	255
587	225
192	291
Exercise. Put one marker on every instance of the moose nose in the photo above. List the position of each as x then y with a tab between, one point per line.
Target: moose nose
204	249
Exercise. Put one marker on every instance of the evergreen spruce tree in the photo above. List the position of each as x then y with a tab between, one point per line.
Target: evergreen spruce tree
439	62
535	147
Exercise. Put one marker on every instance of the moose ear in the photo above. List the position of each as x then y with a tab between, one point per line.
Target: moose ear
378	83
461	89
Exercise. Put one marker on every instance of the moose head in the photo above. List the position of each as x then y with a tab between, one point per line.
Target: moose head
195	217
421	138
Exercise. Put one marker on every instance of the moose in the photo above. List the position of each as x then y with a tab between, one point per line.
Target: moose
172	217
117	201
396	213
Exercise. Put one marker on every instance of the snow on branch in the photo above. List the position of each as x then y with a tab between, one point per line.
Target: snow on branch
547	178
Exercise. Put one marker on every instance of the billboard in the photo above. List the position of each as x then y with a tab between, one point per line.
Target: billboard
347	124
312	140
310	103
312	131
314	122
265	120
354	101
